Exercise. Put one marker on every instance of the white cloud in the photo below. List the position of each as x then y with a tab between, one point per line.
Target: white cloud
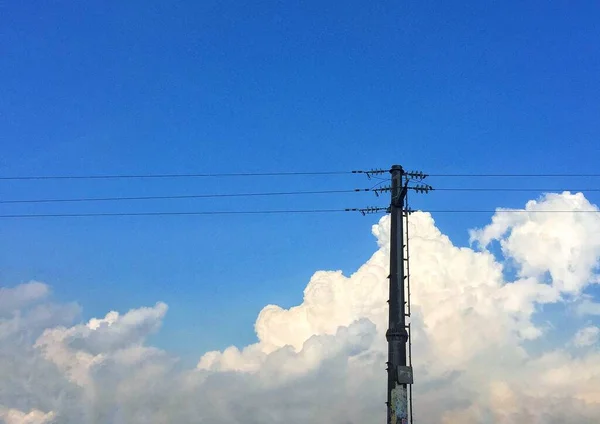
587	336
16	298
14	416
588	307
324	359
564	244
77	349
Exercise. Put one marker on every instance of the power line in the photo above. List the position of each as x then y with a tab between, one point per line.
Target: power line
108	214
280	212
370	174
282	193
512	189
506	211
193	175
173	197
516	175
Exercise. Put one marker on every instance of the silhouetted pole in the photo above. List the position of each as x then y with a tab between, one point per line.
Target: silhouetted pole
399	374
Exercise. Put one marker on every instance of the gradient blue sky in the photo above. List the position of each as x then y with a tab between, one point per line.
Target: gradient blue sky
239	86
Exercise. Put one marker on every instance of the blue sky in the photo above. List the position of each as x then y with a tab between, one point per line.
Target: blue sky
224	86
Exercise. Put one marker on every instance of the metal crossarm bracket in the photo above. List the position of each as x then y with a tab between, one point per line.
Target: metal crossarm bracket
366	211
421	188
417	175
372	172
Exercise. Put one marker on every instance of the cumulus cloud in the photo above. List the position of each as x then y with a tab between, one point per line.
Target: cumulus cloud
14	416
324	359
16	298
563	244
77	349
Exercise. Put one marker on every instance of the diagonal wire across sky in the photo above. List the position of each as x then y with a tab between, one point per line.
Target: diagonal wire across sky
374	174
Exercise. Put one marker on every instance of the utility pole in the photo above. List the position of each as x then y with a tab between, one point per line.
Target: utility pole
399	373
398	335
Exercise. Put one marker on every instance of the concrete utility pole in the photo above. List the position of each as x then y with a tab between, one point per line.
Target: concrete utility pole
399	363
400	374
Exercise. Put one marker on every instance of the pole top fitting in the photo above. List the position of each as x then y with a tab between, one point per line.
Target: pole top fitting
396	168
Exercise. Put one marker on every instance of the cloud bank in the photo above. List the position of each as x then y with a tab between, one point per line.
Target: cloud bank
484	347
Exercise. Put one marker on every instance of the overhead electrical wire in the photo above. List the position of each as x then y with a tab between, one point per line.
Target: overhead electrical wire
371	174
512	189
516	175
281	193
107	214
500	210
274	212
190	175
183	196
